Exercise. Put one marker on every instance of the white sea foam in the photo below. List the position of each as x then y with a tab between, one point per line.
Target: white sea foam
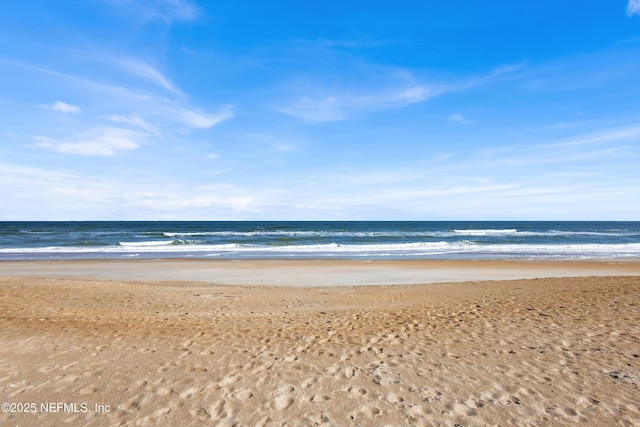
623	250
146	244
486	232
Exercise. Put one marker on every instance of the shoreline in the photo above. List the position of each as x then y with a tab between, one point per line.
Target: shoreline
316	272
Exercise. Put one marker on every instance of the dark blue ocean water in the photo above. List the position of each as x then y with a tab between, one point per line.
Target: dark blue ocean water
320	239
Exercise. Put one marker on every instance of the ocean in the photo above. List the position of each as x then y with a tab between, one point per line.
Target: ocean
319	239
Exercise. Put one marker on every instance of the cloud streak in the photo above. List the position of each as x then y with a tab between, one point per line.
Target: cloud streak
134	121
167	11
198	119
344	105
398	89
629	133
459	119
104	142
80	196
61	107
176	10
138	116
148	73
633	7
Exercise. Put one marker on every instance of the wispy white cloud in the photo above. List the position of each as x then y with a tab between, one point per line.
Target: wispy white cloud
341	106
328	109
200	119
161	201
69	195
147	72
497	73
84	83
459	119
30	189
177	10
397	89
562	125
175	109
363	41
98	142
585	177
633	7
628	133
152	112
442	197
282	146
414	93
21	171
61	107
167	11
546	181
135	121
586	152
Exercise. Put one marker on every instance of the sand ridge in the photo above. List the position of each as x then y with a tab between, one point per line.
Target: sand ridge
522	352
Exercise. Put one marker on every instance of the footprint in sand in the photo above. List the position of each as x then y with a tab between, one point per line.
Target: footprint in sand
283	398
318	420
586	402
229	379
189	392
261	368
163	368
317	398
309	382
354	392
282	402
394	398
351	371
243	394
368	411
417	411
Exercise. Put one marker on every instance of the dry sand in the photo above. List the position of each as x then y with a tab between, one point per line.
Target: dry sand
536	352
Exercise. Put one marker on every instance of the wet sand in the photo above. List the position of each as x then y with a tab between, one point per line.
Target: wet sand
159	349
315	272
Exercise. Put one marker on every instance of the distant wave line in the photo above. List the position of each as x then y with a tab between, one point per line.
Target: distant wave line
452	233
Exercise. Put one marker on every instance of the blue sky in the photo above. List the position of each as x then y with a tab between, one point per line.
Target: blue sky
405	110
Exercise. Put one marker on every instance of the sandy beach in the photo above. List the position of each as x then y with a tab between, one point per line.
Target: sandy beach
315	343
